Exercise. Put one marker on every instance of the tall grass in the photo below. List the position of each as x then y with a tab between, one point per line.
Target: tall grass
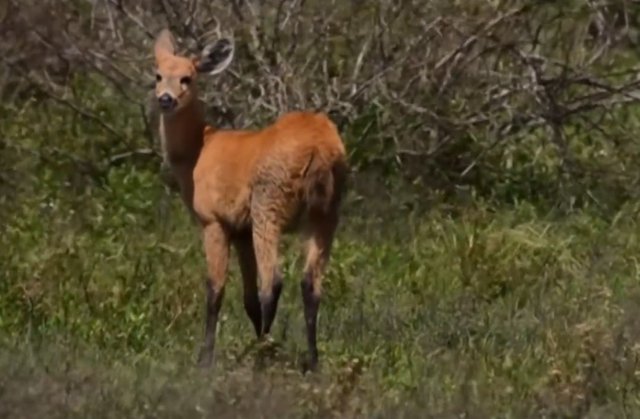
490	311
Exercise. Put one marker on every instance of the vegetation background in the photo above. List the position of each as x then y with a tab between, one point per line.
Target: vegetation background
488	259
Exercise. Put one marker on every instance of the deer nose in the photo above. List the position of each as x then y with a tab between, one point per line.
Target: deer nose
167	102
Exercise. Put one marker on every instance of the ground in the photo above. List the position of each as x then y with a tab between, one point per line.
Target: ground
485	312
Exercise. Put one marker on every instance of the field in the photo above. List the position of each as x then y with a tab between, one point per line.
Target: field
479	311
481	269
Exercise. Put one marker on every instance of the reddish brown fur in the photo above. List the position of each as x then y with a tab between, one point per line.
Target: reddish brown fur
247	188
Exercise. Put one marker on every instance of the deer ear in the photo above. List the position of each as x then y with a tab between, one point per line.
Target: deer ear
215	57
165	44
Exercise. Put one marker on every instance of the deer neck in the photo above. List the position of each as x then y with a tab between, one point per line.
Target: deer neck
182	135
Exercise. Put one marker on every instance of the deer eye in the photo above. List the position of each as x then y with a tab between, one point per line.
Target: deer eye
158	78
185	80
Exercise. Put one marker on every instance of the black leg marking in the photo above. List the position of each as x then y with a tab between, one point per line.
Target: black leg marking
212	308
248	269
254	311
311	303
270	303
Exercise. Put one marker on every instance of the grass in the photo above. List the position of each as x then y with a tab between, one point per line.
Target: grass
493	312
474	310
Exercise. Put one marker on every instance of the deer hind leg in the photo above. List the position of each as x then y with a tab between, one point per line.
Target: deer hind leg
318	248
216	245
266	237
265	241
248	269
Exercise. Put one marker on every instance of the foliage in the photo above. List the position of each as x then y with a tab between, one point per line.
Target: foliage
486	95
511	312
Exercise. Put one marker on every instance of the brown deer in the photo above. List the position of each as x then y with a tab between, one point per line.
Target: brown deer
248	187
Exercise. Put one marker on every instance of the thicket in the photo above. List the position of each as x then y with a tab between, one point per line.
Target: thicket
508	99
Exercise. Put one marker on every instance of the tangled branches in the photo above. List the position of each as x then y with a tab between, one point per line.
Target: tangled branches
443	93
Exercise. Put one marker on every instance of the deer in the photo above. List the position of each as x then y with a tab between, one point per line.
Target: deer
246	188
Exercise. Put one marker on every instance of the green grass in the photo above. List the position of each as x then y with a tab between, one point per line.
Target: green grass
493	312
467	310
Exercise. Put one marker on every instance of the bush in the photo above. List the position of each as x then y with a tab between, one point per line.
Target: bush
510	100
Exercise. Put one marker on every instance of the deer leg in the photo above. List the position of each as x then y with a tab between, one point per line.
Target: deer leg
323	226
248	269
216	245
265	241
